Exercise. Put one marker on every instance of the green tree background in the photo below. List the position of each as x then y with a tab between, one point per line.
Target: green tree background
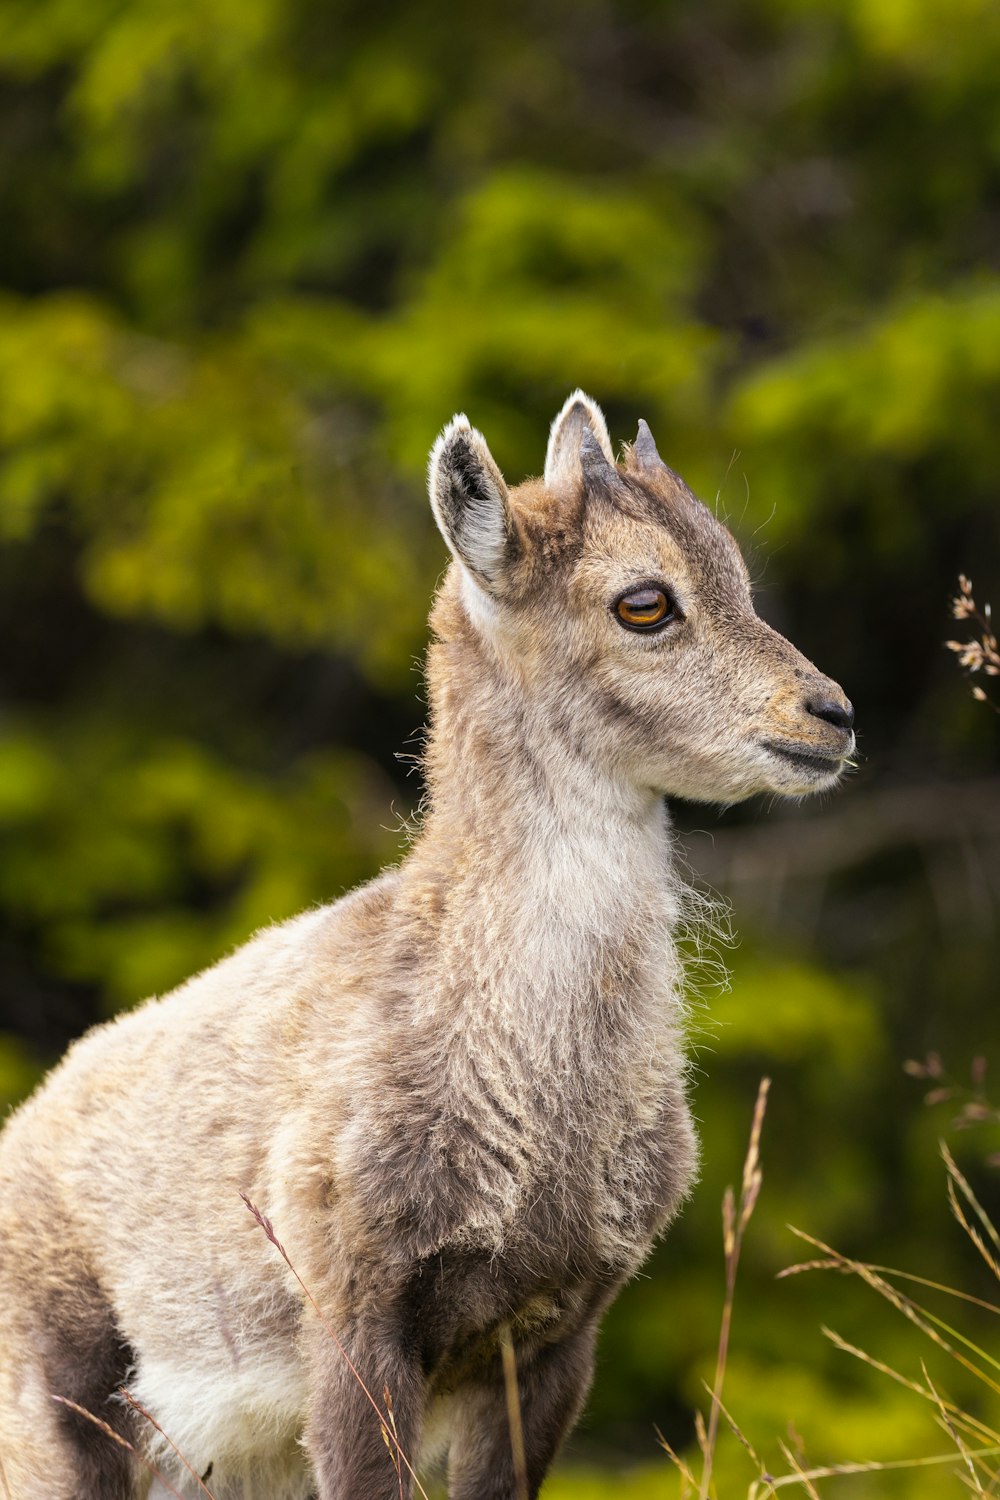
253	255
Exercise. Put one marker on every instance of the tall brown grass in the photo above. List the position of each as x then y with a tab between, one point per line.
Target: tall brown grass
975	1444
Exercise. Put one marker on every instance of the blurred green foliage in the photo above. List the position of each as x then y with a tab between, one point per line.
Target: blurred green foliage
253	257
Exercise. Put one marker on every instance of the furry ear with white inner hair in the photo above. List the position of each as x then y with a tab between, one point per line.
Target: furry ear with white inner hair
470	504
579	416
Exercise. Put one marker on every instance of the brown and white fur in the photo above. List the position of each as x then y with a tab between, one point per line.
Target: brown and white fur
459	1093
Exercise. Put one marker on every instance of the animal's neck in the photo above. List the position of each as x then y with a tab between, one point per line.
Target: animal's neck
552	884
543	1025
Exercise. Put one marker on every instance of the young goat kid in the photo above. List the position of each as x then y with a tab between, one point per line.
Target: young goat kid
459	1093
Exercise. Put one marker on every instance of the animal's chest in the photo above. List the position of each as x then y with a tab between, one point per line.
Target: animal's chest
535	1240
600	1173
462	1305
568	1179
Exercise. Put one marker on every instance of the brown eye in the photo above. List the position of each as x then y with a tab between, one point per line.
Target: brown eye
644	609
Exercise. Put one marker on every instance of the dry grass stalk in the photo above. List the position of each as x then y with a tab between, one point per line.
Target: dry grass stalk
875	1466
701	1436
116	1437
928	1323
137	1406
958	1424
961	1427
958	1184
799	1474
740	1435
974	1426
952	1431
934	1286
391	1440
981	653
688	1482
514	1413
387	1398
734	1223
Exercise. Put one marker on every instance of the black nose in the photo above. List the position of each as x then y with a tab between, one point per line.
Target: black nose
839	714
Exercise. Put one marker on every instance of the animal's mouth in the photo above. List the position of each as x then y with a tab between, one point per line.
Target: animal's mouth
820	763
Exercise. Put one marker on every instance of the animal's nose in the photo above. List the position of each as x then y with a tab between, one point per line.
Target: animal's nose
839	714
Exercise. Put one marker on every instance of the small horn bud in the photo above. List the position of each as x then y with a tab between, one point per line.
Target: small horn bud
644	448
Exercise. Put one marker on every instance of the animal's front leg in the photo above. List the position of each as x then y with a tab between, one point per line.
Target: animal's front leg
354	1448
552	1387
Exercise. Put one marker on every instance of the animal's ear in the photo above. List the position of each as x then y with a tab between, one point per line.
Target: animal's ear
579	419
470	503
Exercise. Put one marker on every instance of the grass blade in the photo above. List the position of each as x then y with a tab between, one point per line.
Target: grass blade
952	1433
116	1437
733	1225
514	1413
138	1407
268	1228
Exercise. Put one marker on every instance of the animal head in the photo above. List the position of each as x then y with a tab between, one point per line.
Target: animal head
613	596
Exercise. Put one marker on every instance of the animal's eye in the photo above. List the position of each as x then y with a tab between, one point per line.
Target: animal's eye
645	609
